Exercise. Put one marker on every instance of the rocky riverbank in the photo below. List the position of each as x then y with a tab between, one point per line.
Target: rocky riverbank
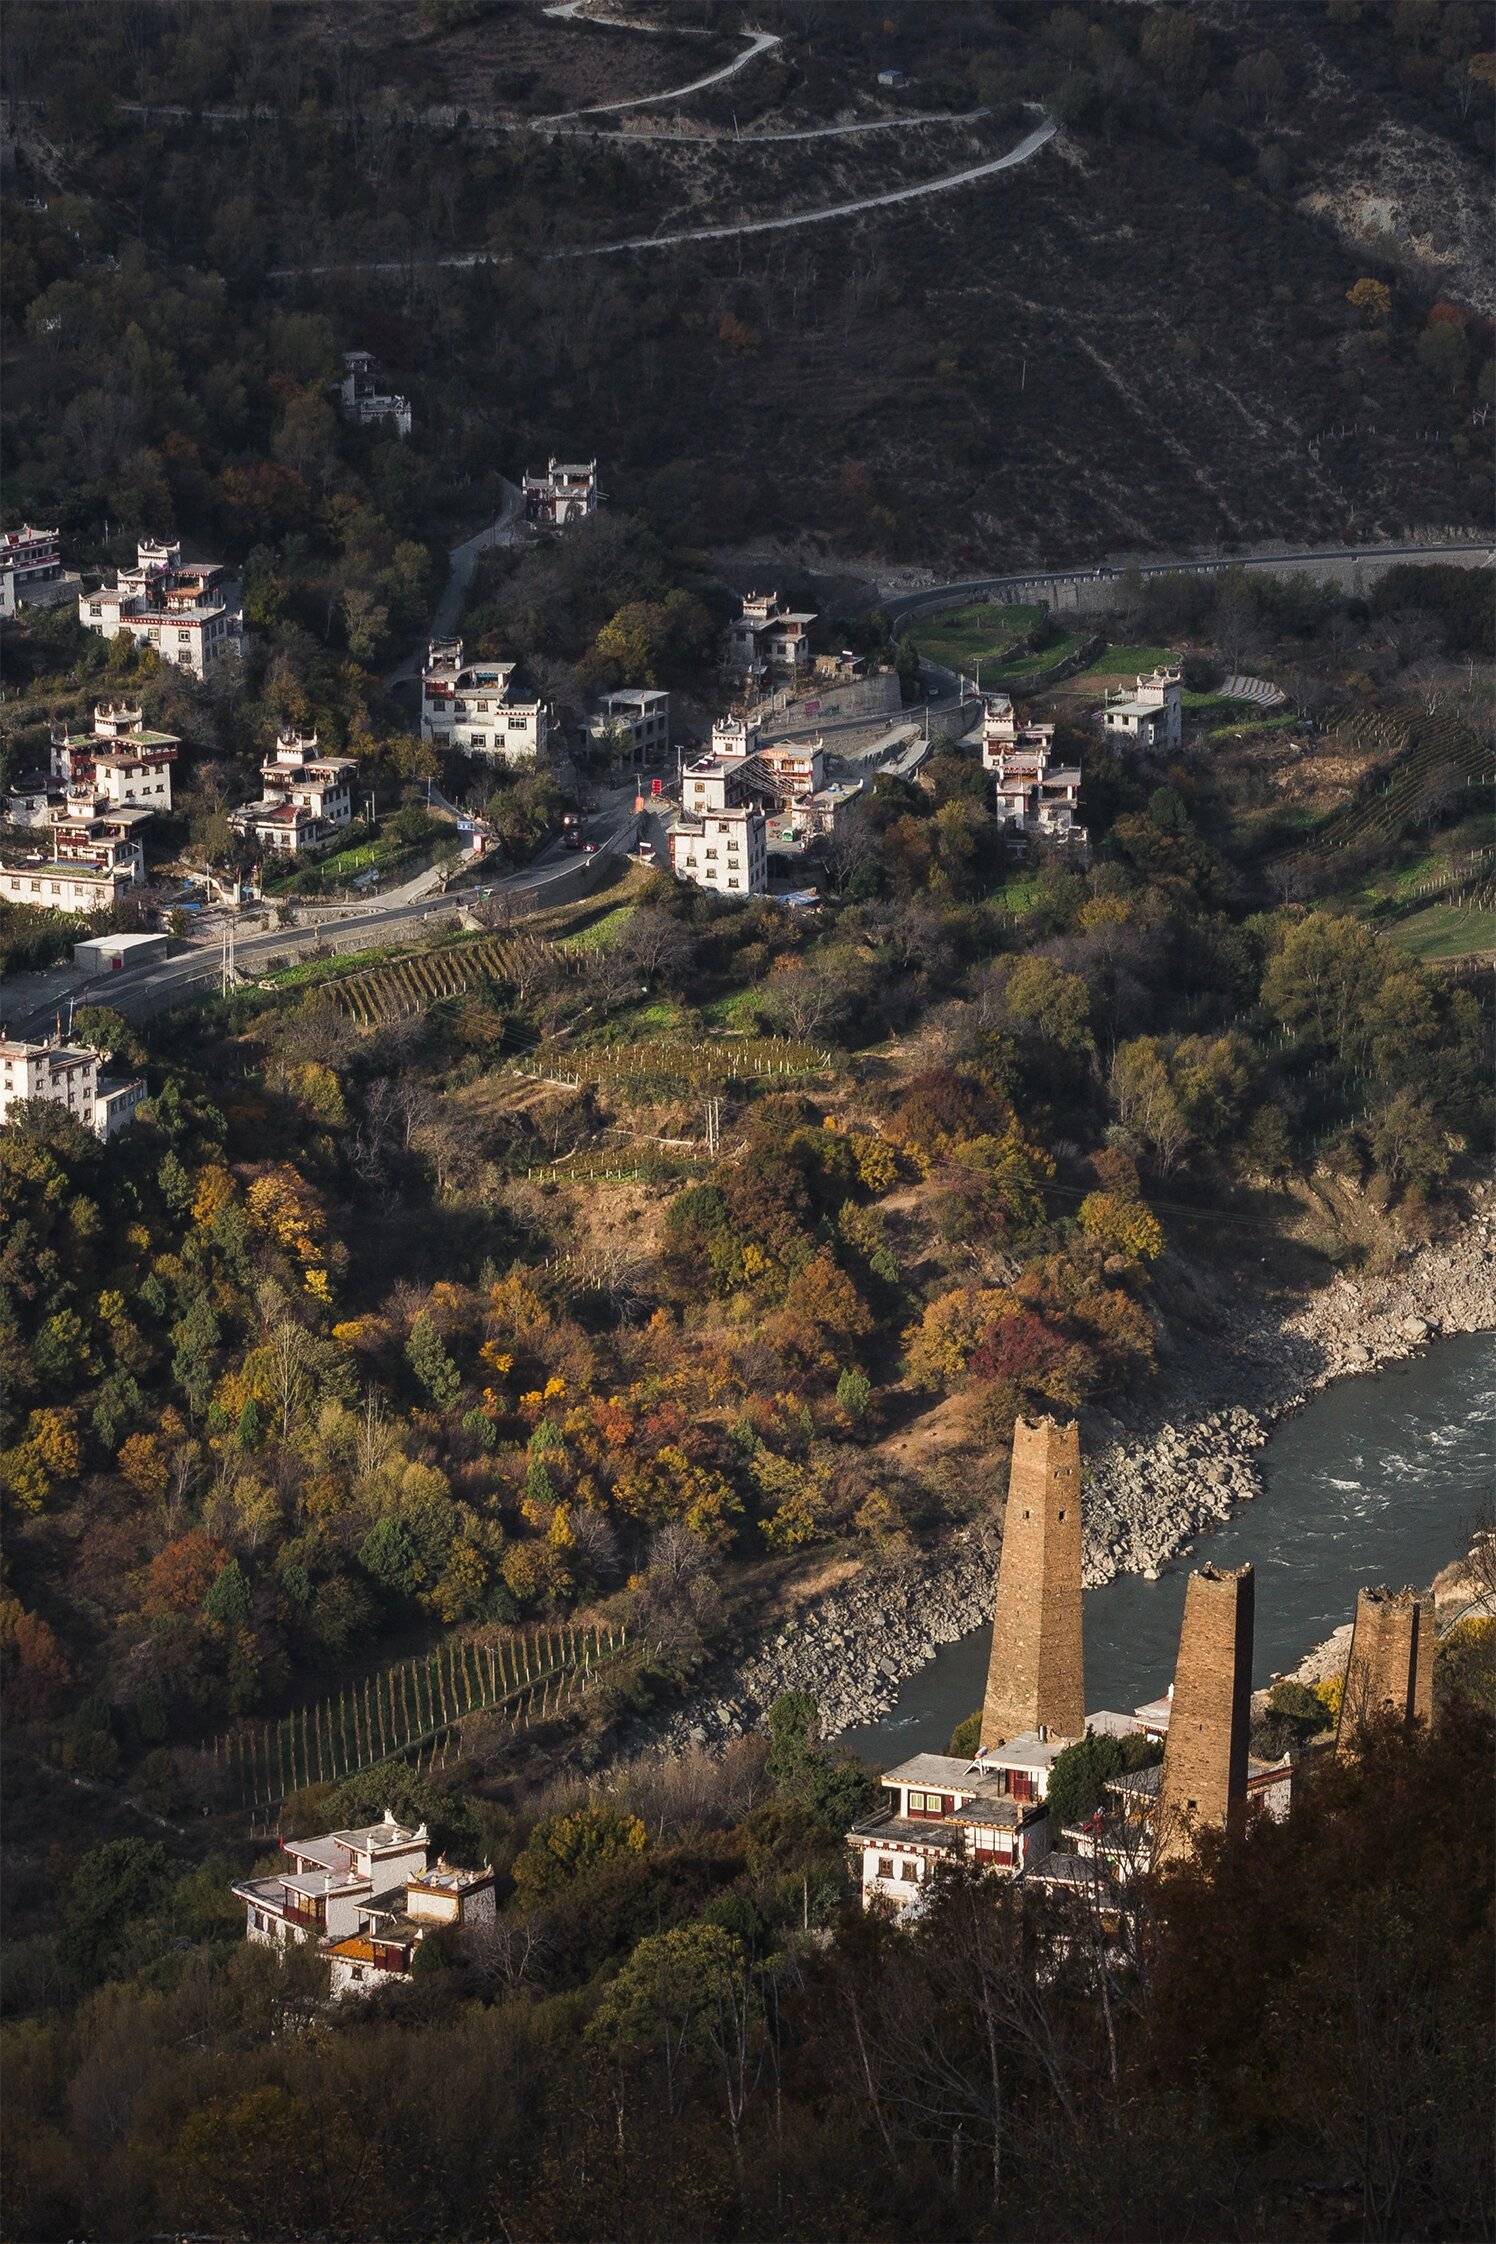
1151	1485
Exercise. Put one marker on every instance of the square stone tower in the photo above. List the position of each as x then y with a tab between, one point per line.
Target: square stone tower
1036	1675
1203	1785
1391	1667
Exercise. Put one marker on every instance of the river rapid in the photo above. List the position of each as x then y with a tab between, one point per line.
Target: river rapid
1379	1478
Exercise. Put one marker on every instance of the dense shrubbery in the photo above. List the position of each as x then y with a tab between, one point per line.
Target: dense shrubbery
677	2028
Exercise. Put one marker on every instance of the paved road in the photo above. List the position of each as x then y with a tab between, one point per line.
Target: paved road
465	260
759	43
151	989
694	140
901	606
462	560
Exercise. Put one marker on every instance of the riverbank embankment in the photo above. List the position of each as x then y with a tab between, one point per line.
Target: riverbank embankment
1185	1462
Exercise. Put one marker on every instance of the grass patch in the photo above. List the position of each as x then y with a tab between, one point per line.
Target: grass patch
1048	657
309	970
734	1011
983	633
1445	931
601	933
1125	662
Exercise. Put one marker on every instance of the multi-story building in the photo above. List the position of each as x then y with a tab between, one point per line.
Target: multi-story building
31	571
307	800
366	1897
566	493
121	759
364	399
67	1076
1035	797
727	849
989	1811
183	612
87	829
639	716
769	640
785	778
1152	717
469	706
720	841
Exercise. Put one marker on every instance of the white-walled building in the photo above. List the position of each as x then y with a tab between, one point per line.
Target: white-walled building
1034	797
989	1810
640	715
566	493
767	639
786	779
31	571
367	1897
1152	717
67	1076
364	398
121	759
183	612
307	799
48	885
119	954
725	849
469	706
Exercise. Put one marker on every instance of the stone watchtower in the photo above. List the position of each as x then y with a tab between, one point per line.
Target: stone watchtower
1203	1785
1391	1667
1036	1679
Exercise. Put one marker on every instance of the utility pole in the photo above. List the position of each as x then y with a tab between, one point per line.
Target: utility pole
228	972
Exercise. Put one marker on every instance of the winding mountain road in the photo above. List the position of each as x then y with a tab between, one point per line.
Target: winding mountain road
759	43
1462	552
466	260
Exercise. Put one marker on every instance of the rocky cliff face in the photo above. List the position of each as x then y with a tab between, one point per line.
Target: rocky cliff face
1149	1489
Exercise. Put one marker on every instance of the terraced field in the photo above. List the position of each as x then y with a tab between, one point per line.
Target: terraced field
409	985
1435	764
671	1062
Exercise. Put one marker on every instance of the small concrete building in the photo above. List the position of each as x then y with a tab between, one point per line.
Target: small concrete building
118	954
1152	717
641	715
364	399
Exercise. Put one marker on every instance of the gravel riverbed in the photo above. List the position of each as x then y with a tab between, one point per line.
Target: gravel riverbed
1151	1485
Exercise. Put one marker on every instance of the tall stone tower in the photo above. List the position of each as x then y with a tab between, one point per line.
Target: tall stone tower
1391	1667
1036	1675
1204	1781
